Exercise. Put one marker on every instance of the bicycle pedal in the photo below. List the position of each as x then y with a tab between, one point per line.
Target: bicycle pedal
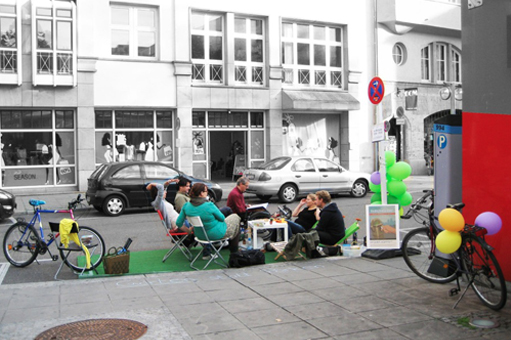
54	257
454	291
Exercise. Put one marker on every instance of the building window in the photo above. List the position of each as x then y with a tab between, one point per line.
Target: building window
312	55
399	54
456	66
38	147
425	64
134	31
54	43
10	49
207	47
248	51
127	135
441	60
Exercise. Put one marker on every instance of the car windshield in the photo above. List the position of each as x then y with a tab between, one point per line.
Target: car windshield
275	164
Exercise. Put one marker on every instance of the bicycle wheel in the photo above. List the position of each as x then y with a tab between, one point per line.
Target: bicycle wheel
96	246
419	253
483	270
21	245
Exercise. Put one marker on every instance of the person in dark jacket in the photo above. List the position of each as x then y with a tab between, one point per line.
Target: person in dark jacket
331	223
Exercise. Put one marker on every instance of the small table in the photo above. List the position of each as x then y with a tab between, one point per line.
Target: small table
265	224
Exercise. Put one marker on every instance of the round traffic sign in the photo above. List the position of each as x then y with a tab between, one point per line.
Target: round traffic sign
376	90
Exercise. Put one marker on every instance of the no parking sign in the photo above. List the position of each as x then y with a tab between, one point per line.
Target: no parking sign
376	90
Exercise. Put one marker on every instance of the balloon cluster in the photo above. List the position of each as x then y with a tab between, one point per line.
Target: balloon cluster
396	189
449	240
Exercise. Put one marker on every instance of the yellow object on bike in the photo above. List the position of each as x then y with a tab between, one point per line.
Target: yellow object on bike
448	241
451	219
65	228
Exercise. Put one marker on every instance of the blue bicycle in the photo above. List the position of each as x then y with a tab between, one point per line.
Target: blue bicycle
23	241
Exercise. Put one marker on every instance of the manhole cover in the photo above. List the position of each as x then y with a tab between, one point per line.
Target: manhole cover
96	329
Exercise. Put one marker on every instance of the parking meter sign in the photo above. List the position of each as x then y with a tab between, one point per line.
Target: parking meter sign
376	90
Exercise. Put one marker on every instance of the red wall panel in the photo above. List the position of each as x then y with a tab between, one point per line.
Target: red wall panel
487	176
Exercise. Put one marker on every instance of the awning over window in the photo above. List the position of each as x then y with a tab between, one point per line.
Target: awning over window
318	101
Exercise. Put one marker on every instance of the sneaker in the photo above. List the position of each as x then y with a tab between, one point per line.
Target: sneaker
224	244
208	257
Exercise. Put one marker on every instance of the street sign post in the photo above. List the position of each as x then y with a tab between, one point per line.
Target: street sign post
376	90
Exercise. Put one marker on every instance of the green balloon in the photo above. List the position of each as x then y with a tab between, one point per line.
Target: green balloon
392	200
376	197
374	187
376	203
405	199
400	170
396	187
390	158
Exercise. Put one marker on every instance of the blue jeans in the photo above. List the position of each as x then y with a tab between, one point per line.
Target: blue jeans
294	228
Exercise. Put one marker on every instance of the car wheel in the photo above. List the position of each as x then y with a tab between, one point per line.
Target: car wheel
113	206
211	196
288	193
263	197
359	188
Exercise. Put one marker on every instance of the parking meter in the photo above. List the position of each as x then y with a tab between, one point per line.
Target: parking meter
447	161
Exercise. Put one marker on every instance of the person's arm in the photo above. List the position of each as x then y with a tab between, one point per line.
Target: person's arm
181	218
298	207
159	196
217	213
388	229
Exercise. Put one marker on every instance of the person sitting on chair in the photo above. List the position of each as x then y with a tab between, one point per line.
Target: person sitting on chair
307	213
235	200
217	226
331	223
158	193
183	187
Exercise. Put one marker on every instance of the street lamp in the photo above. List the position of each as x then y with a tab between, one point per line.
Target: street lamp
447	91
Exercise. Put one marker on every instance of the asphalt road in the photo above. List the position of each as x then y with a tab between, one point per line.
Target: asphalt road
145	229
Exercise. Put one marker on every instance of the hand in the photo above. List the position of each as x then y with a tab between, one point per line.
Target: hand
388	229
303	201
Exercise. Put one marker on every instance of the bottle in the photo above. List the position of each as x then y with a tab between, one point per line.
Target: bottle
249	239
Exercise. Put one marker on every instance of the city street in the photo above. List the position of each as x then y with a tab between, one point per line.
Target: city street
144	228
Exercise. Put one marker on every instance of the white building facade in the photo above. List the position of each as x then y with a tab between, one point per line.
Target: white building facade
206	86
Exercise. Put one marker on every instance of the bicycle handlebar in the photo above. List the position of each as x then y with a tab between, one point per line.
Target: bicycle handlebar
74	203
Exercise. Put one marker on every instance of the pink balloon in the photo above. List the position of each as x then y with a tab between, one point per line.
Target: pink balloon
375	178
490	221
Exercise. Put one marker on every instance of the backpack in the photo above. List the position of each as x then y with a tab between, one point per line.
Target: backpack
245	258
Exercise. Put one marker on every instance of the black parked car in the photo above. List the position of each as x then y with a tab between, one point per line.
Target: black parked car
7	204
113	187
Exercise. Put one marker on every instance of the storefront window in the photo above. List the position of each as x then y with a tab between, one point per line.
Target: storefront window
34	151
123	135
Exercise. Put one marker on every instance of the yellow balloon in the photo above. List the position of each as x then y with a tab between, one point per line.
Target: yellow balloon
451	219
448	241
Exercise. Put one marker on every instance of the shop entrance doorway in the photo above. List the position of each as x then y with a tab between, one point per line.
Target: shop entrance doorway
227	154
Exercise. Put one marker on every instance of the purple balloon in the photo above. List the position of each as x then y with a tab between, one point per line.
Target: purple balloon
375	178
490	221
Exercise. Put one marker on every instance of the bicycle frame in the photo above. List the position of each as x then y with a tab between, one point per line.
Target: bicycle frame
37	218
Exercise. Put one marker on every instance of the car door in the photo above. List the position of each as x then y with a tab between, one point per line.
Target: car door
159	173
129	180
332	176
305	175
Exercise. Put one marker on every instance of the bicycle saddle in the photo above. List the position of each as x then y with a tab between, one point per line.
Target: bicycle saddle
457	206
36	203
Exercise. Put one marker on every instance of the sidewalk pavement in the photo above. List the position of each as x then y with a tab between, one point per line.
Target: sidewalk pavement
327	298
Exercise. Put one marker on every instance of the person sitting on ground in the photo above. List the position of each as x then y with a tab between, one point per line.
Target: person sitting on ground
235	200
331	223
307	213
158	194
217	226
183	187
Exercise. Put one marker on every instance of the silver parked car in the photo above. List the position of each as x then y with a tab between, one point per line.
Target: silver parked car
290	177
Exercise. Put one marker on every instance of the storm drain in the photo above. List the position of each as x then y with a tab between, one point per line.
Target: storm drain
96	329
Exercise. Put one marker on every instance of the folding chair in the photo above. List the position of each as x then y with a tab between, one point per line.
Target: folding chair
196	222
177	238
65	252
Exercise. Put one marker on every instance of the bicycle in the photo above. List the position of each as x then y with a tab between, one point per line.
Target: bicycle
23	242
474	260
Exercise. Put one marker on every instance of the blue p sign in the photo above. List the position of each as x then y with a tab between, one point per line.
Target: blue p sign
441	141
